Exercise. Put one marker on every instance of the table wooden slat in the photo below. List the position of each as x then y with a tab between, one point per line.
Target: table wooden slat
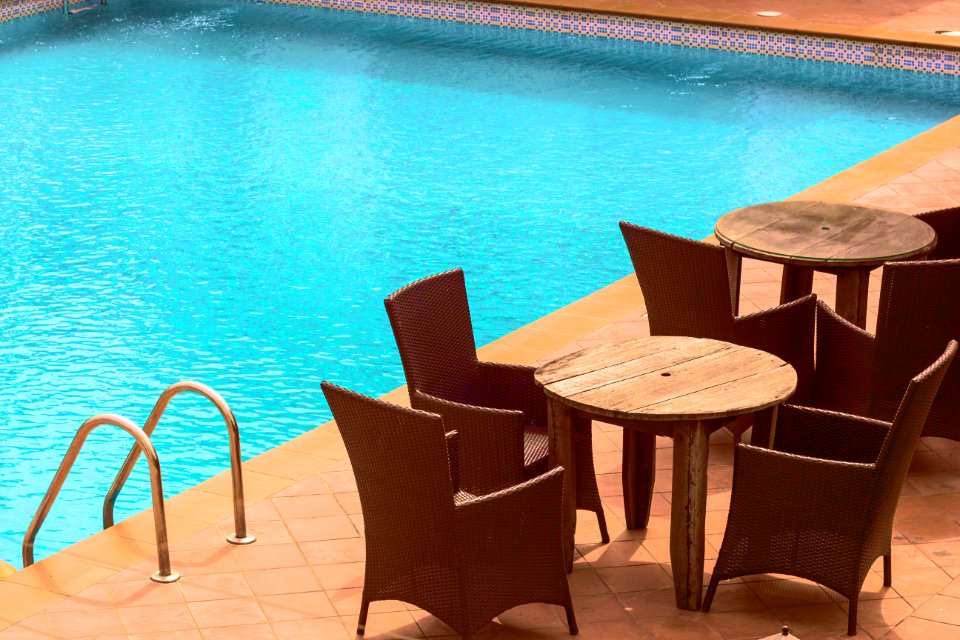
745	395
597	370
611	355
676	383
805	232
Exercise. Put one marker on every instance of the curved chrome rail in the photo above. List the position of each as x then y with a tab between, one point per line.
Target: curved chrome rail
239	515
163	574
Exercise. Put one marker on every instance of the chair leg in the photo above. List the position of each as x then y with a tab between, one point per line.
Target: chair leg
588	495
571	618
708	599
602	521
852	617
887	571
362	621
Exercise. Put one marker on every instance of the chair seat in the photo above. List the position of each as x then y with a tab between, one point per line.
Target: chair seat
535	445
463	497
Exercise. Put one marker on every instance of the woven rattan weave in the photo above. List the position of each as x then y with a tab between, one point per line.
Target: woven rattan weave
434	332
864	374
946	222
462	558
820	505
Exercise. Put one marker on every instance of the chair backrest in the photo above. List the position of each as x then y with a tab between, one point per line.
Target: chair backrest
684	282
897	450
946	222
919	312
399	459
431	323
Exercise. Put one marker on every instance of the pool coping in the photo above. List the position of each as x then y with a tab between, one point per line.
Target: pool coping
131	542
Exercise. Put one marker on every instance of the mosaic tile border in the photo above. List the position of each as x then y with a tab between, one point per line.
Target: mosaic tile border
10	10
727	38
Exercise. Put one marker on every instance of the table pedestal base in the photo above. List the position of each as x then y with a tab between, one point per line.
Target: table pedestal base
852	287
795	283
689	499
561	421
853	284
688	511
639	470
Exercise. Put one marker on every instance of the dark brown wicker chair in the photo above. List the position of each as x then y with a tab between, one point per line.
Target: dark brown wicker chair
820	505
946	222
862	374
431	323
686	288
462	558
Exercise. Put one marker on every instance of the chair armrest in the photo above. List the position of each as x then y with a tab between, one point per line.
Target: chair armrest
842	380
787	332
513	386
489	442
516	525
829	435
774	490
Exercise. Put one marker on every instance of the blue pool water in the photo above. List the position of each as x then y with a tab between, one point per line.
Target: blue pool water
225	191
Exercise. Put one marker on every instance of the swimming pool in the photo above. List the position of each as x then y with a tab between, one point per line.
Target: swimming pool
225	191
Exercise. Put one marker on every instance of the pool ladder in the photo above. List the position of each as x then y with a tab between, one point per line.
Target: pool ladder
143	444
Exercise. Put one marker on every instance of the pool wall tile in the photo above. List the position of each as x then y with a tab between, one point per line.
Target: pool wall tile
622	27
20	9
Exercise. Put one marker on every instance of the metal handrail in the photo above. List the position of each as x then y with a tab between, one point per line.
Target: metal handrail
239	516
163	574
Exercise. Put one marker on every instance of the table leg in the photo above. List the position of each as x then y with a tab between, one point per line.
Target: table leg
688	511
639	469
560	425
852	286
764	428
796	283
734	263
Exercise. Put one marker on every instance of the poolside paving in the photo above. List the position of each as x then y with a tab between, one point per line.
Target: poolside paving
904	21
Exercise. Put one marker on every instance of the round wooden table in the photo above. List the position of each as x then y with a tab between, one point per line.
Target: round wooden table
680	387
805	236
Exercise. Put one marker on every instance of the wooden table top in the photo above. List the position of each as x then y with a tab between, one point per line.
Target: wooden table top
819	233
668	378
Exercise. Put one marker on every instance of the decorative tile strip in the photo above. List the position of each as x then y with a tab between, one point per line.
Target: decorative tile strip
11	9
727	38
